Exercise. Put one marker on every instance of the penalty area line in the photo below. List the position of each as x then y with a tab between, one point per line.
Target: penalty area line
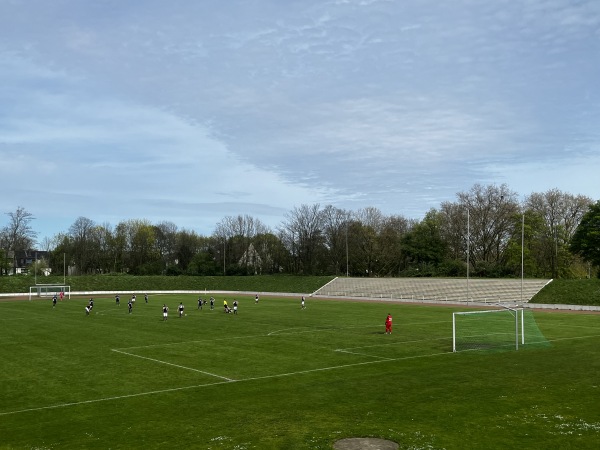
174	365
216	383
107	399
339	350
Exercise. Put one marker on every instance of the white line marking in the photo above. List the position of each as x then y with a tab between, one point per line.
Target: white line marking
313	330
119	397
287	329
162	391
569	338
174	365
192	342
363	354
394	343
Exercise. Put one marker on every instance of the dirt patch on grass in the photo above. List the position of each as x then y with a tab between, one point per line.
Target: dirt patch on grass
365	444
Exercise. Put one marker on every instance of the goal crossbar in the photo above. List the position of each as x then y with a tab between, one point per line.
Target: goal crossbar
46	290
480	332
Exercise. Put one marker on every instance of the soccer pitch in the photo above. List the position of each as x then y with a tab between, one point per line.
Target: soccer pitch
276	376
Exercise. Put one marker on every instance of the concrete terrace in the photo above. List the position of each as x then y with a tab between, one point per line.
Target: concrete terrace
435	289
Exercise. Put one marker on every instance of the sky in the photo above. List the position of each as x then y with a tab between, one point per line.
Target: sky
190	111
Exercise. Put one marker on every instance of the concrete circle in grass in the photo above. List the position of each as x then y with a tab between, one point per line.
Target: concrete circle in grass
365	444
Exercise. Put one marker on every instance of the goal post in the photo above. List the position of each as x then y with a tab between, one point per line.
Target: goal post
49	290
490	329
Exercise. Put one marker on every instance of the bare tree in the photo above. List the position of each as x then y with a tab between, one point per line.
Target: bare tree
237	235
302	231
490	211
82	241
17	235
335	234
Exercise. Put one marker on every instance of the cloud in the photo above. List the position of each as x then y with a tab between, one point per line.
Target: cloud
197	109
114	158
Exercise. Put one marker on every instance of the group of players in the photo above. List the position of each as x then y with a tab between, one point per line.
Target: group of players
201	303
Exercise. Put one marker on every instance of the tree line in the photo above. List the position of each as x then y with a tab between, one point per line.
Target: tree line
485	232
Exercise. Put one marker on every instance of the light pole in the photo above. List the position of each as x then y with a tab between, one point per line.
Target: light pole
347	271
522	254
468	249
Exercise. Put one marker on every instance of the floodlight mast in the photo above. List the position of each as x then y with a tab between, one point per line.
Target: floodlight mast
522	254
468	249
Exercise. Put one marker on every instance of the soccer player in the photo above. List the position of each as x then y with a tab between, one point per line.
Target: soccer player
235	306
199	302
165	312
256	299
146	297
54	301
180	309
117	300
388	324
130	305
225	306
61	295
87	310
212	303
91	304
302	303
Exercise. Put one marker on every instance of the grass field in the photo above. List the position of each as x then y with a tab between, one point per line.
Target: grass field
279	377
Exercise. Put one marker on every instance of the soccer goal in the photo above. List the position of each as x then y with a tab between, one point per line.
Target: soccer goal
49	290
485	330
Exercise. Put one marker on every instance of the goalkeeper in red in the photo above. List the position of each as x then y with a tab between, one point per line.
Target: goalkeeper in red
388	324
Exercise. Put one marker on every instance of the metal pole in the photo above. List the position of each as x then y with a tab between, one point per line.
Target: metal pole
523	326
453	332
468	250
522	254
516	330
347	272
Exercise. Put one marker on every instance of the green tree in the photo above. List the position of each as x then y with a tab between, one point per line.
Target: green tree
586	239
391	258
83	245
423	245
561	213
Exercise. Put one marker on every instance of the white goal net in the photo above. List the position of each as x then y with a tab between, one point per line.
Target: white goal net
49	290
486	330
